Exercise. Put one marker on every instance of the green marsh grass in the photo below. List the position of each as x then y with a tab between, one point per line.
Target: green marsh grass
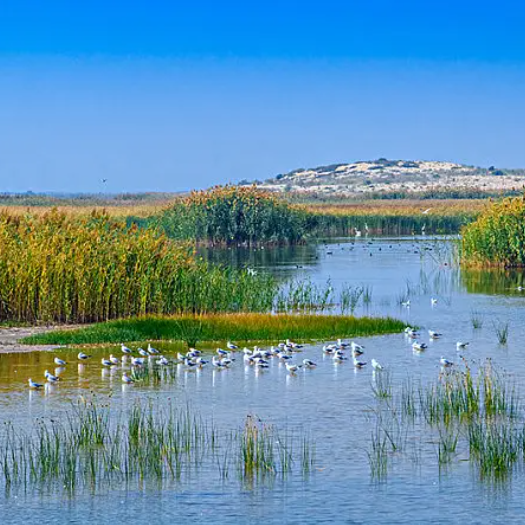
501	329
223	327
80	269
497	237
462	412
89	449
476	319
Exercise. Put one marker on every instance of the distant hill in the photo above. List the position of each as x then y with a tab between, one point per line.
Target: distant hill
396	176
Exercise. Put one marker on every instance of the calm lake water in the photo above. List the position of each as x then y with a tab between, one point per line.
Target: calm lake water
332	404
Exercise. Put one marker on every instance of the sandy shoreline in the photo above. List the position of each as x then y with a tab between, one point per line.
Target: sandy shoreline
10	338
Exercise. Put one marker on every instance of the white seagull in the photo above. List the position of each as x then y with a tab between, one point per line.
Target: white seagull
50	377
309	364
445	362
114	360
151	350
126	379
82	356
231	346
434	335
359	349
125	349
34	385
416	345
359	364
292	368
106	362
59	362
376	365
461	344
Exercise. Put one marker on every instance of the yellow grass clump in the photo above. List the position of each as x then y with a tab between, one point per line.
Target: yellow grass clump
497	237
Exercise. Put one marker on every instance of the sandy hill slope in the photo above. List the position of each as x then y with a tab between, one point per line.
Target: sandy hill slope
389	176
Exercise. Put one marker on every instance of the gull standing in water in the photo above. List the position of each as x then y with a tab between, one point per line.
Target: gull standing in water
34	385
59	362
434	335
114	360
82	356
357	349
309	364
445	362
151	350
231	346
106	362
50	377
376	365
126	379
125	349
292	368
359	364
419	347
460	345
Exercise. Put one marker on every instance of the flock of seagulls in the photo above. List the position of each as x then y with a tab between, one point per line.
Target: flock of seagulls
418	346
258	358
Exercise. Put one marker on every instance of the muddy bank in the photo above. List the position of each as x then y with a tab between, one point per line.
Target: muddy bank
10	338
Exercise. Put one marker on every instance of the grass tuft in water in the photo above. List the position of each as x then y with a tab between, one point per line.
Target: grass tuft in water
501	328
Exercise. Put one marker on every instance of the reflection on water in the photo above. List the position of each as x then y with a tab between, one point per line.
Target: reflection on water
332	403
282	260
494	281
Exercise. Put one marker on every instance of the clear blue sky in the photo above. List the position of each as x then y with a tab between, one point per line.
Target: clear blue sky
166	96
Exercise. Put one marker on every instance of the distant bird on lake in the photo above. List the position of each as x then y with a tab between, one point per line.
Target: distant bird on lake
231	346
126	379
50	377
359	364
143	353
125	349
376	365
106	362
218	363
309	364
82	356
34	385
433	301
434	335
113	360
358	349
292	368
416	345
59	362
445	362
460	345
151	350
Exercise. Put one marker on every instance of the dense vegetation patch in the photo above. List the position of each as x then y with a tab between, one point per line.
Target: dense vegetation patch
83	269
497	237
235	215
223	327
